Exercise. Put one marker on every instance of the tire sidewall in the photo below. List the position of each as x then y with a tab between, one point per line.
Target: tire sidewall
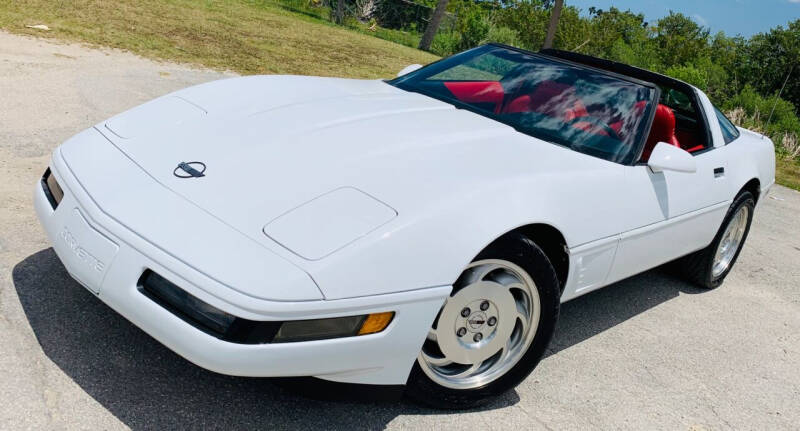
527	255
743	199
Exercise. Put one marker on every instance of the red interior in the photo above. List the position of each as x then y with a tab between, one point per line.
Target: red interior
688	141
663	130
550	98
478	92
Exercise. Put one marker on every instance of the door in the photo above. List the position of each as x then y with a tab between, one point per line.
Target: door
678	212
681	213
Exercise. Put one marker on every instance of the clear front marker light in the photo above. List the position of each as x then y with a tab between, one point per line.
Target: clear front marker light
318	329
336	327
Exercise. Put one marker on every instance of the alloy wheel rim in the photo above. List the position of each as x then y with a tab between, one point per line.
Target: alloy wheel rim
731	241
484	328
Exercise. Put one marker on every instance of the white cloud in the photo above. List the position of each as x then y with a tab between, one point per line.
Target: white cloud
794	1
702	21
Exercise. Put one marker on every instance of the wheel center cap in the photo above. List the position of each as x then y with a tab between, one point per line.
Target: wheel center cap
476	321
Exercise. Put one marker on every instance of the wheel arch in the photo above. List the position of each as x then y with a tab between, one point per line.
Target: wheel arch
552	243
753	186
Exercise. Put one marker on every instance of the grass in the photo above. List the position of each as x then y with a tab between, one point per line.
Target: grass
248	37
787	173
305	7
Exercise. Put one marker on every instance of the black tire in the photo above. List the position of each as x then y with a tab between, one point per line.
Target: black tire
523	252
697	267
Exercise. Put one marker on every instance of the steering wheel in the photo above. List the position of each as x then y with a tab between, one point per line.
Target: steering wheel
596	122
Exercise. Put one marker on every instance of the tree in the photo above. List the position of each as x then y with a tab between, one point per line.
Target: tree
612	26
433	25
551	28
681	40
774	56
338	17
528	18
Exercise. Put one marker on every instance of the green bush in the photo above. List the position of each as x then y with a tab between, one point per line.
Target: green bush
397	14
446	43
688	73
750	110
528	17
500	34
473	25
758	108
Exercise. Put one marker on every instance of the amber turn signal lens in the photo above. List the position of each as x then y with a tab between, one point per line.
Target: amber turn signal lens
376	322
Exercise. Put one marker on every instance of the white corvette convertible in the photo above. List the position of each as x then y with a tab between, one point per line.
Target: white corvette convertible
420	231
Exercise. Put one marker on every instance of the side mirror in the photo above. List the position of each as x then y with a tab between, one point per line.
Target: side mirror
408	69
666	157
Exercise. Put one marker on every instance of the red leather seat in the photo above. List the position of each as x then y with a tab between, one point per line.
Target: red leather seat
550	98
689	141
478	92
663	130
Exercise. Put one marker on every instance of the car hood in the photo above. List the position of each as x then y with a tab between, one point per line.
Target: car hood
271	144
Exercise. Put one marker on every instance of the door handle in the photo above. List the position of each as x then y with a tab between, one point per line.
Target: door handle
719	172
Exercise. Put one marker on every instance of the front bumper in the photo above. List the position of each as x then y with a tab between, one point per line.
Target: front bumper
108	259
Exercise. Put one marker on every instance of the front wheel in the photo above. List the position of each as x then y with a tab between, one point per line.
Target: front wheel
492	330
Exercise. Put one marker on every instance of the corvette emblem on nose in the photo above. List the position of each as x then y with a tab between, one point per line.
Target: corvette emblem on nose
190	170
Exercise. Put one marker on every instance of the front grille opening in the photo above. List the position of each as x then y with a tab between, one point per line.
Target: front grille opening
52	190
203	316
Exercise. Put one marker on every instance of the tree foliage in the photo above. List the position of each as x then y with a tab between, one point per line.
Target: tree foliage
680	40
770	57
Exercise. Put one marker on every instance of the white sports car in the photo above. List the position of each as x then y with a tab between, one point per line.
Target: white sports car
420	231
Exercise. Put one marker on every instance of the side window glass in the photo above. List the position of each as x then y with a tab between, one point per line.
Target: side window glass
690	131
729	131
677	101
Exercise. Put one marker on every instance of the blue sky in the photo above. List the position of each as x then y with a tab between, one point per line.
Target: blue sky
745	17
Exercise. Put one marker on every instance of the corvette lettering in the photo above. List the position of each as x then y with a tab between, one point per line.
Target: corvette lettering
81	253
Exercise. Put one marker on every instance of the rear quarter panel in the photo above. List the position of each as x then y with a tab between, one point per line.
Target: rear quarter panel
752	155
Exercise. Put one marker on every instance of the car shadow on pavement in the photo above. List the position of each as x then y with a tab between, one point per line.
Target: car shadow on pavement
594	312
145	385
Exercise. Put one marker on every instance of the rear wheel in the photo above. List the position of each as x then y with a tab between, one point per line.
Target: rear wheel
708	267
492	330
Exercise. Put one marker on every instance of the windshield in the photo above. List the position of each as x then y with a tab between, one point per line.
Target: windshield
590	111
